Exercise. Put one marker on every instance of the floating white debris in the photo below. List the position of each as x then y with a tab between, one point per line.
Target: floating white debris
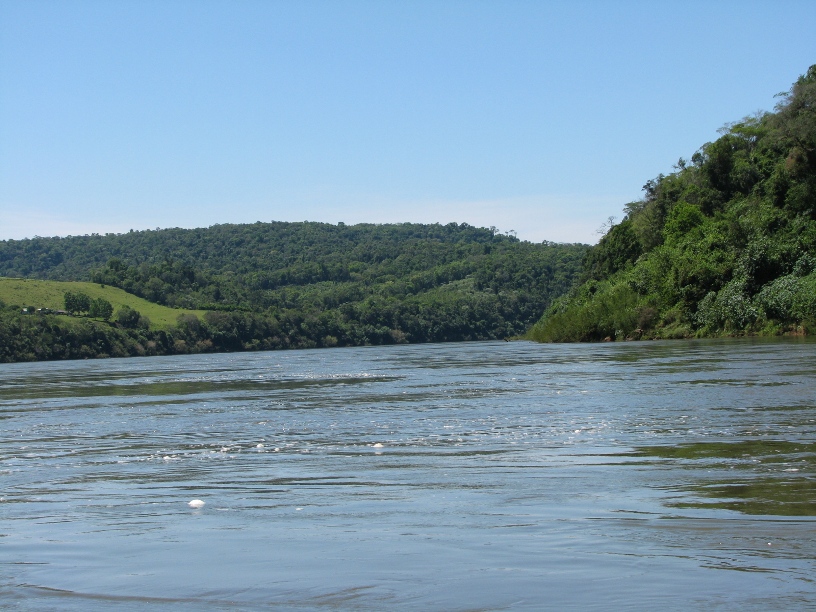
377	445
196	503
259	446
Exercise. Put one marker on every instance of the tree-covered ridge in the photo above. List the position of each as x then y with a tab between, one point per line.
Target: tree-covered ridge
298	285
724	245
236	248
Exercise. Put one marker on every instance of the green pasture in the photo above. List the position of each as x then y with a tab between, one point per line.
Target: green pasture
49	294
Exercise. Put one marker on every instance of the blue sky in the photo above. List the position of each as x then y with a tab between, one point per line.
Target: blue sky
539	117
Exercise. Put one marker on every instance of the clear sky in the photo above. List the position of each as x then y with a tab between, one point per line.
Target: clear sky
539	117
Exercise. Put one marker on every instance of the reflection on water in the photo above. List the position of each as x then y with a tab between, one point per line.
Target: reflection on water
768	496
758	476
463	476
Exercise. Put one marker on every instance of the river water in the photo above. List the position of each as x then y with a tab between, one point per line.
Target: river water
472	476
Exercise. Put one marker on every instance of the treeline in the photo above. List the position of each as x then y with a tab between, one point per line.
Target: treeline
47	336
726	245
276	252
448	315
297	285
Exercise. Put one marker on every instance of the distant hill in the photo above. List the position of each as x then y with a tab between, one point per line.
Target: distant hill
298	285
726	245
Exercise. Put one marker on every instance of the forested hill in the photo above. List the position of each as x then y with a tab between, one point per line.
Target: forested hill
289	285
235	248
726	245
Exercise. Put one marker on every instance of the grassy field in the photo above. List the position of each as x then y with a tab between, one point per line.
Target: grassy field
49	294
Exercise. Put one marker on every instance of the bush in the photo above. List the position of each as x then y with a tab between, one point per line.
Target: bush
76	302
789	299
101	308
128	317
611	312
730	309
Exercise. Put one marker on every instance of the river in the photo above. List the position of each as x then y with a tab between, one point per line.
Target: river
470	476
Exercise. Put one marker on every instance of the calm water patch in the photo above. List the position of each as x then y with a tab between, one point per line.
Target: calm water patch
477	476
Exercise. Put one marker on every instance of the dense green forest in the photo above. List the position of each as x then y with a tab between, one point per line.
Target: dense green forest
726	245
291	285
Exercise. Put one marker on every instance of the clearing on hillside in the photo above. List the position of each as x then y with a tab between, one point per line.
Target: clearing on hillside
50	294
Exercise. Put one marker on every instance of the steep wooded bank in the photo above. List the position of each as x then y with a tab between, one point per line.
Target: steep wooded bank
726	245
291	285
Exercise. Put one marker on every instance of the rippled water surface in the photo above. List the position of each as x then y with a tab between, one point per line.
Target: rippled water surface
478	476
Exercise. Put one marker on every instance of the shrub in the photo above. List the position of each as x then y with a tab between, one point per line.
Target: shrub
101	308
128	317
730	309
611	312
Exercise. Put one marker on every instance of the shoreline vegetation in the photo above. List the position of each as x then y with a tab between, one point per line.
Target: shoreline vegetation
723	246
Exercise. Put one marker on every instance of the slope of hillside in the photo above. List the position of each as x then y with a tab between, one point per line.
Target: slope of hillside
22	292
726	245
